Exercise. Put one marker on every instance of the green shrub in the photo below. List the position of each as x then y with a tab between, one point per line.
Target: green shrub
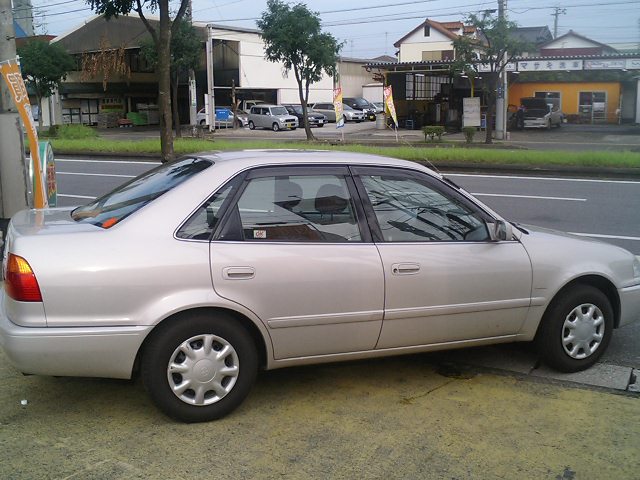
469	132
53	131
433	131
74	132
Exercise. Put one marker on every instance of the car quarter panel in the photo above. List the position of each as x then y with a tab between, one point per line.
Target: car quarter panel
558	259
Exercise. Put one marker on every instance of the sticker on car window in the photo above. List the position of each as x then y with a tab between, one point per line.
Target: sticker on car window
259	234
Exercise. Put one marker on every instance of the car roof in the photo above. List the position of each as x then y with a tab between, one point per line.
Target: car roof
261	157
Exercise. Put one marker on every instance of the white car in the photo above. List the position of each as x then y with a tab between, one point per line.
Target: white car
202	271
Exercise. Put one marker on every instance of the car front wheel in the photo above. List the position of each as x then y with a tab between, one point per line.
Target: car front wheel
275	127
576	329
199	367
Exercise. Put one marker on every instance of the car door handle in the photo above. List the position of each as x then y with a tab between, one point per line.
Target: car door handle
405	268
238	273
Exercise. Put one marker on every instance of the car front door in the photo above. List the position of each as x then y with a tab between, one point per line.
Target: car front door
293	247
445	280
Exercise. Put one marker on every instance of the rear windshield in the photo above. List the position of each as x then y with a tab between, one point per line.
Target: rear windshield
108	210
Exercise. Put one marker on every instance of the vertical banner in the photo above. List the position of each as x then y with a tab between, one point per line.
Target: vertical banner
389	106
337	106
11	73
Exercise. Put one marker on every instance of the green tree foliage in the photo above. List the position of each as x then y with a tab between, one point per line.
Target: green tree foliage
495	46
186	49
161	39
292	35
44	65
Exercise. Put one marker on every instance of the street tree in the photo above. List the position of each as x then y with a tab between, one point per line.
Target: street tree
292	35
494	47
161	37
186	49
44	65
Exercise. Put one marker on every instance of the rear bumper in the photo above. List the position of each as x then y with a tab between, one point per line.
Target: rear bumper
78	352
629	304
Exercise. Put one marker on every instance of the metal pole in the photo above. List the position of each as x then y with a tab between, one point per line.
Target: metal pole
13	178
210	79
193	103
500	99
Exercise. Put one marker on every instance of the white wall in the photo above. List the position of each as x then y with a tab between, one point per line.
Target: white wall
373	92
570	41
257	72
412	47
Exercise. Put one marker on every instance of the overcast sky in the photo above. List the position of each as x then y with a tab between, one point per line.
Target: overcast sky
371	27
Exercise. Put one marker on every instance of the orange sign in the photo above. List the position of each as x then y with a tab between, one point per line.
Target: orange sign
11	72
388	102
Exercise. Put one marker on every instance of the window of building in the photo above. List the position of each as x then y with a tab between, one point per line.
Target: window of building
427	31
422	87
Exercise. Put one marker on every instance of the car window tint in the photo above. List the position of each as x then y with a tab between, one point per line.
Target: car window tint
298	208
109	209
202	223
411	211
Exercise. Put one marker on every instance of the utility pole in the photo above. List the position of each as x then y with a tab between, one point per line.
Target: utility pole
193	103
557	11
501	99
13	179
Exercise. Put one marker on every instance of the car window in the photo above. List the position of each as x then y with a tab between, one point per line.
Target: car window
409	210
279	111
109	209
295	208
202	223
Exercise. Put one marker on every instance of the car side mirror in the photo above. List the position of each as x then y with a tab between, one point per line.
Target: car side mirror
500	231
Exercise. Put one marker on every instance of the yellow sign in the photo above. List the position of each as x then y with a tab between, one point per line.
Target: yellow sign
389	106
11	72
337	106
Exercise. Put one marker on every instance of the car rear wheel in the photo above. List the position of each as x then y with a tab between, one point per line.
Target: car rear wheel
275	127
199	367
576	329
251	125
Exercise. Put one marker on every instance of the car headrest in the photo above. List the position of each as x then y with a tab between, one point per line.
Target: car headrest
288	194
331	199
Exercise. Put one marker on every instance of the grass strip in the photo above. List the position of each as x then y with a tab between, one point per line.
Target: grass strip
620	159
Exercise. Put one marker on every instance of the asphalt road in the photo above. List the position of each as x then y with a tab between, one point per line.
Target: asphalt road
598	208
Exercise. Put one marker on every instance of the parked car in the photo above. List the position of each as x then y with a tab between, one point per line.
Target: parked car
316	119
536	113
275	117
353	115
359	103
379	106
201	271
327	109
224	117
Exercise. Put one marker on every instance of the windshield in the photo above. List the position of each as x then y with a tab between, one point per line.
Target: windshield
279	111
296	108
346	107
361	102
108	210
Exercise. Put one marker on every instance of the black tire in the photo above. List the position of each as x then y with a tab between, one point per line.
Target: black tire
162	349
275	127
251	125
320	125
239	124
552	334
203	123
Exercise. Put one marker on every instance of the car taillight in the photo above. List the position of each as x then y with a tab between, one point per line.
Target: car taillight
20	282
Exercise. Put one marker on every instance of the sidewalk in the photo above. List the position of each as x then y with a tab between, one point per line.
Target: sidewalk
409	417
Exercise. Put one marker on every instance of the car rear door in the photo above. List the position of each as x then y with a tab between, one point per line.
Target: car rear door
445	280
294	248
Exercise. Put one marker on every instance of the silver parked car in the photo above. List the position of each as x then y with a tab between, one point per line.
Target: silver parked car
202	271
328	109
275	117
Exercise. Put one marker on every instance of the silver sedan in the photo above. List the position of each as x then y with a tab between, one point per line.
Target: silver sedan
200	272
